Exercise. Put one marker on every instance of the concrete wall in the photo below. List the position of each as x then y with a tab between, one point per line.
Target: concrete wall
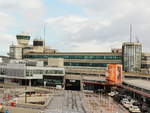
16	52
4	59
55	62
16	70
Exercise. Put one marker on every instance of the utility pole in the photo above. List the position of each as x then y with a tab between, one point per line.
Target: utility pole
44	32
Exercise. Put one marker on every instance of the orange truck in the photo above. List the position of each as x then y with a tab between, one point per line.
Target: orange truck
114	74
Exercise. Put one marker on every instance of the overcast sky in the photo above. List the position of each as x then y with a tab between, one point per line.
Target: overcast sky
76	25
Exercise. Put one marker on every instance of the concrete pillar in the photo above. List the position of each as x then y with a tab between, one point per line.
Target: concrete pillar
81	85
81	82
44	83
64	84
30	82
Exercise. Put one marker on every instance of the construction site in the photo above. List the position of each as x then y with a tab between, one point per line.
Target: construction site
80	91
88	95
58	101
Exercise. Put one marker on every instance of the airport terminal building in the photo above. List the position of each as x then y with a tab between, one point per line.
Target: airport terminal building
37	64
130	55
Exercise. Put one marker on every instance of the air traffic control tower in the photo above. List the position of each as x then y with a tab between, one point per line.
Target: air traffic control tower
23	39
16	51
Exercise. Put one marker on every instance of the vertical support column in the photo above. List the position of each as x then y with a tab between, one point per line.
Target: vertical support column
81	82
30	82
25	91
81	85
64	83
44	83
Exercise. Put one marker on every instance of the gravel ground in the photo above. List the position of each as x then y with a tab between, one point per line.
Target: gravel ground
66	102
77	102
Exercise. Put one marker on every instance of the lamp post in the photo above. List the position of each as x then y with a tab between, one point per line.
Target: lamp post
25	91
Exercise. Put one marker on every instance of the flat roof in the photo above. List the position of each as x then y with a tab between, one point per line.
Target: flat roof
144	84
15	77
131	43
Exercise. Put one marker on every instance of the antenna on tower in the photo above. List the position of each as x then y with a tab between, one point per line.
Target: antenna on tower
44	34
130	32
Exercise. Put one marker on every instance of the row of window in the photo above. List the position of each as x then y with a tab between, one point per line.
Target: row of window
12	72
87	74
23	37
31	72
145	65
75	57
86	64
145	58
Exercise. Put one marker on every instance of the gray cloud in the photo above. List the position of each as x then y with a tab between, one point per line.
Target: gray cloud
19	15
83	32
118	15
105	23
26	12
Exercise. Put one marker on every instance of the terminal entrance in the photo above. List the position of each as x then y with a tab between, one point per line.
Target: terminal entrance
50	81
53	80
72	85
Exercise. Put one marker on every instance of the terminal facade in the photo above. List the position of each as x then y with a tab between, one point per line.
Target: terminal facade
130	55
39	65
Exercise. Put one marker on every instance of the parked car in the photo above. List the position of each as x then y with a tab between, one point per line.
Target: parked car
132	100
124	99
134	109
113	93
126	103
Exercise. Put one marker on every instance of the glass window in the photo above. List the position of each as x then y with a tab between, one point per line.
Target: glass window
86	64
75	57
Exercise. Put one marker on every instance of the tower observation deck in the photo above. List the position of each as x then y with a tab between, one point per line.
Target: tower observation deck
23	38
